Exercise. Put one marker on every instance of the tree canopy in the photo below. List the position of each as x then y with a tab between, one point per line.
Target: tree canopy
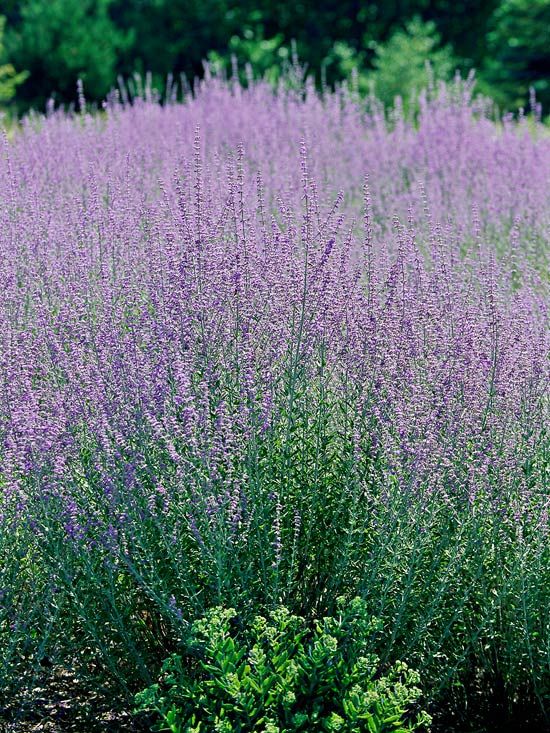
59	41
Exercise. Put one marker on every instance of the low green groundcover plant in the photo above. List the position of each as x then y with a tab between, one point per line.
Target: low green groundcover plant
283	675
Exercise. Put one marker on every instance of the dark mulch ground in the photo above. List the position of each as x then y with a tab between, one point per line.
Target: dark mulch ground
59	703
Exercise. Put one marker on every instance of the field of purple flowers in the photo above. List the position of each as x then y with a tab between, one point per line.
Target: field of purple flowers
265	348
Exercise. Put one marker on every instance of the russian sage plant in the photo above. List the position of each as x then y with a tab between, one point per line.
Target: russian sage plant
270	348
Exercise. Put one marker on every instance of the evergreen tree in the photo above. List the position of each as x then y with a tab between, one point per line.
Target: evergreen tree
519	51
60	41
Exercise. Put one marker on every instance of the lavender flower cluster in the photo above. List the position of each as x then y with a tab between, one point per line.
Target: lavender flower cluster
255	346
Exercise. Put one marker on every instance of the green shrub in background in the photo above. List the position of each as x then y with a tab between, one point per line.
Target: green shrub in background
402	66
282	675
9	78
267	56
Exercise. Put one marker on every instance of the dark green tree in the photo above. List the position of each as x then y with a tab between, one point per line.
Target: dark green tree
461	23
174	36
519	51
60	41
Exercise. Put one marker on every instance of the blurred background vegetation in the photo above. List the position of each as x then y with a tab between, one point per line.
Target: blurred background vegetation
46	45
